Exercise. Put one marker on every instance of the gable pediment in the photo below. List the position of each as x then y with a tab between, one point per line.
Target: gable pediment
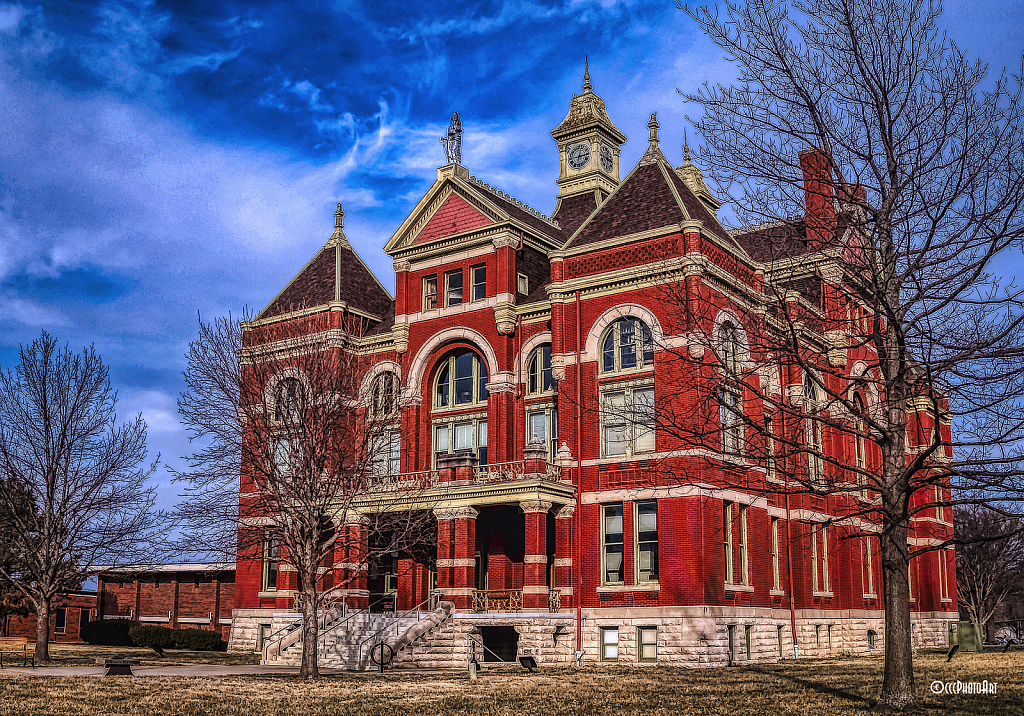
447	210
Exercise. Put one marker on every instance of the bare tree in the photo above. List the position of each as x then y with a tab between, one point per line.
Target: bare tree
925	162
989	561
72	493
296	447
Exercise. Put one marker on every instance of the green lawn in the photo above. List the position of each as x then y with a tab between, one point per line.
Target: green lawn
832	686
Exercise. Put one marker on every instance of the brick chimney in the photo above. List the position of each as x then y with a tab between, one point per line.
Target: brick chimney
818	197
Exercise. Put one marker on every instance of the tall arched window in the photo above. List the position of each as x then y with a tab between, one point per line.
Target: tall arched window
860	444
730	348
627	345
384	400
812	405
461	380
288	400
538	370
730	392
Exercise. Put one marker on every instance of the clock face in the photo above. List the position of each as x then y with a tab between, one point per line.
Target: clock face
579	155
606	158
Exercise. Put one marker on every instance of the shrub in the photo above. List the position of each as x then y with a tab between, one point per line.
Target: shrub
155	637
196	639
109	632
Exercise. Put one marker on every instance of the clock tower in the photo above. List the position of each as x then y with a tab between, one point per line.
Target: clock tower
588	146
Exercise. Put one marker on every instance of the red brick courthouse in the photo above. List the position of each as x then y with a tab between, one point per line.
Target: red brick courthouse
513	343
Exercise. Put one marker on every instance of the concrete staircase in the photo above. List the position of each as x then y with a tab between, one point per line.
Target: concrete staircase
345	642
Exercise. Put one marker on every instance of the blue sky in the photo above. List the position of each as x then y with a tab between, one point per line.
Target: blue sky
164	160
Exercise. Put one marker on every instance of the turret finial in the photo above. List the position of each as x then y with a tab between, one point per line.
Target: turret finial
587	87
653	126
686	148
339	217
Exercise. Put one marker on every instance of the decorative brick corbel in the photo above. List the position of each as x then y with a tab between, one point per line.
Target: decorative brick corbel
505	318
400	335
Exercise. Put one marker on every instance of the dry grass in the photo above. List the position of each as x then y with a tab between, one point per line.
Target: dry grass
835	687
86	655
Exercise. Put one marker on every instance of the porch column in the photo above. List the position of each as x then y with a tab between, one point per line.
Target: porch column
564	535
456	554
350	555
535	559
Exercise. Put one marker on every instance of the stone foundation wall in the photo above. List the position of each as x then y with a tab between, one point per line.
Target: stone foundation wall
245	628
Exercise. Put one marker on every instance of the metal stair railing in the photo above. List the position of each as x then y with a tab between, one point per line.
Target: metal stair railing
395	622
366	610
290	628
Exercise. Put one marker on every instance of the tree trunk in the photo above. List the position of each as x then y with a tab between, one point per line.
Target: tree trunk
43	631
309	668
898	675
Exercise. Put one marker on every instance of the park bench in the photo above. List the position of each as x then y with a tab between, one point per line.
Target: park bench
16	645
118	666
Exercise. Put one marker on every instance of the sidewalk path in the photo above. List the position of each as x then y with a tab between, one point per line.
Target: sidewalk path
166	670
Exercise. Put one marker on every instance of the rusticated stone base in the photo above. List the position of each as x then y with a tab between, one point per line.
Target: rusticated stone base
245	628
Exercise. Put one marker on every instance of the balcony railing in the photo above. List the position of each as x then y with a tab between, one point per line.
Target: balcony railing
481	475
497	600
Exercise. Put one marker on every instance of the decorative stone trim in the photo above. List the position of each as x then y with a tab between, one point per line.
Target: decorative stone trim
535	559
505	241
532	589
739	587
456	591
646	587
505	318
356	518
776	593
563	561
821	594
531	506
501	387
400	335
564	513
462	562
458	513
695	344
355	566
402	265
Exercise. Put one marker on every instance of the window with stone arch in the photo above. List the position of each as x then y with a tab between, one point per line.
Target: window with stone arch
860	442
288	401
538	371
812	425
730	391
461	380
628	344
384	396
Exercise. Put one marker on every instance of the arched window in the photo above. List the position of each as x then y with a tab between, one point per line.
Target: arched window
288	401
860	444
628	345
812	402
730	349
384	400
538	370
461	380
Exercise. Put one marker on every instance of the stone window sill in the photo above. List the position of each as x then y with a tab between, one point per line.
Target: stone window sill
276	594
822	594
777	593
870	596
946	600
647	587
739	587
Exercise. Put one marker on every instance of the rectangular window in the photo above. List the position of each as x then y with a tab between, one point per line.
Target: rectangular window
628	421
769	446
453	288
744	556
727	532
647	541
449	437
611	525
731	415
748	639
429	293
869	571
647	643
819	557
83	617
270	563
732	642
939	513
543	428
287	455
940	557
776	579
61	623
815	466
523	284
910	580
387	454
609	643
479	278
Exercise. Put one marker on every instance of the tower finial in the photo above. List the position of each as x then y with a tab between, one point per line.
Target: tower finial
339	217
653	126
587	87
686	148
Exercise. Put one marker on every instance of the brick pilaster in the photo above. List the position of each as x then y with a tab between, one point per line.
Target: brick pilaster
456	554
535	559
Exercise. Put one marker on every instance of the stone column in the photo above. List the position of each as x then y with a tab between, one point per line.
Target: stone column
456	554
565	533
535	559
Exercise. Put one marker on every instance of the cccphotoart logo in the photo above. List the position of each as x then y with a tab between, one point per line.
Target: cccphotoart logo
964	687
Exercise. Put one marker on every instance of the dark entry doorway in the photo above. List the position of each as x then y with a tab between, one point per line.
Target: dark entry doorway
502	640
